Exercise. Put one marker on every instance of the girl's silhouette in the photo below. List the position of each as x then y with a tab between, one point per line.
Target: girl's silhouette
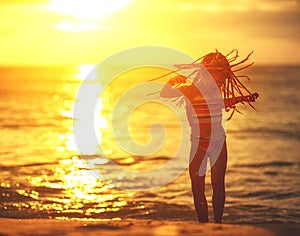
205	112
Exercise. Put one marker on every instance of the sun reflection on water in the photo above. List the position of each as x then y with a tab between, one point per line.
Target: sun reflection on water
80	185
73	189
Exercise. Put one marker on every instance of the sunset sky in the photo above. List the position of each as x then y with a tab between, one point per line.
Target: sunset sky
86	31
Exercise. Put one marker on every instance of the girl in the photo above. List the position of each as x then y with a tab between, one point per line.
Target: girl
205	113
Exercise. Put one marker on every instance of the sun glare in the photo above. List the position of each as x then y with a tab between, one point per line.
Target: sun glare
76	26
87	9
83	15
84	71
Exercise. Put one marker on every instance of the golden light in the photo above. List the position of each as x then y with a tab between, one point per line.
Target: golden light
84	14
87	9
84	71
87	73
76	26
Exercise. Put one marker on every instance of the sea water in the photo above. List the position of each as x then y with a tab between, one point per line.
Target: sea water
43	176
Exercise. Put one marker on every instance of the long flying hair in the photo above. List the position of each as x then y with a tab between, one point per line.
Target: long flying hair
226	67
231	85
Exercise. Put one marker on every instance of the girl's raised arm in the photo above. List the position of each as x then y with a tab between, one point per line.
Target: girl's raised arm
230	102
170	89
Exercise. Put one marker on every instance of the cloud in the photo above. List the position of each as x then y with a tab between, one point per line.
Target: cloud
261	16
238	6
24	1
190	25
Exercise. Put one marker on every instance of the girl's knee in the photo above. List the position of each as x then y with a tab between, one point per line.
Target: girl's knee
198	188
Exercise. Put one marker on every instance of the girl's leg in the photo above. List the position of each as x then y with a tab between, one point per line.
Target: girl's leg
198	186
218	184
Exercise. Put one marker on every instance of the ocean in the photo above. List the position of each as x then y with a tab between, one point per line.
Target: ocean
43	176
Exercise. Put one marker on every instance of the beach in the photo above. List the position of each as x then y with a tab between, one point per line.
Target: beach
39	227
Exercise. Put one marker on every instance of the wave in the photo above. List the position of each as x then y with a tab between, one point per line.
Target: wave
274	132
17	167
129	160
30	124
268	194
269	164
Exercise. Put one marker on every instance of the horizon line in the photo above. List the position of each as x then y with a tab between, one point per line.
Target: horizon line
79	64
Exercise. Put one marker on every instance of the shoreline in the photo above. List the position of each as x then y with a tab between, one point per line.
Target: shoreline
139	227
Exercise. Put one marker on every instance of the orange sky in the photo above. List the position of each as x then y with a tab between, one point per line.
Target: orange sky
86	31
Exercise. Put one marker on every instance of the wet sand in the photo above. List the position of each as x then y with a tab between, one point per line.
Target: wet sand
47	227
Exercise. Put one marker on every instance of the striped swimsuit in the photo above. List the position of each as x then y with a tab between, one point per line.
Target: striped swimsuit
201	114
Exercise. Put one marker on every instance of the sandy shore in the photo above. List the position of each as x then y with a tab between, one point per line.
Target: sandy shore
43	227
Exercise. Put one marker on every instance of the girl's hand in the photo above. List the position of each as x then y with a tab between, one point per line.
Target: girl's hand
179	79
